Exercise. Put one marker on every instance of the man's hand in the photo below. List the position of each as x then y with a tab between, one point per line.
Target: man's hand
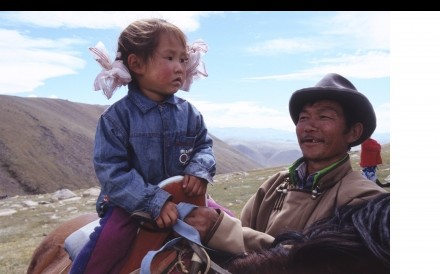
202	219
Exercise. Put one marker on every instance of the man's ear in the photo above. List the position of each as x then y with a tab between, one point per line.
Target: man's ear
134	63
355	132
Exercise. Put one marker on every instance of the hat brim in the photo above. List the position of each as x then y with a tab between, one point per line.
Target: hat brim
354	103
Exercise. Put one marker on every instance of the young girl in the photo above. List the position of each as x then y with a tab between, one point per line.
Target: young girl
147	136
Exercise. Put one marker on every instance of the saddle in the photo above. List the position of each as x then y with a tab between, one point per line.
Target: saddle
147	239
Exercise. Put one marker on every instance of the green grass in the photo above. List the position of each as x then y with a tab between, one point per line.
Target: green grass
233	190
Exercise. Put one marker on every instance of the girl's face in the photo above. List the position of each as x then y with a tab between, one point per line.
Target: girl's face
163	74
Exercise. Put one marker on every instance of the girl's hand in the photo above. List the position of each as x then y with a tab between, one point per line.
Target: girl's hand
168	216
194	186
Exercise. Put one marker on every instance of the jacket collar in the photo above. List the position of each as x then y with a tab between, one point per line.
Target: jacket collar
325	178
144	103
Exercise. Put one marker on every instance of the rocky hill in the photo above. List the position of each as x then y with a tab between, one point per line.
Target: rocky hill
47	144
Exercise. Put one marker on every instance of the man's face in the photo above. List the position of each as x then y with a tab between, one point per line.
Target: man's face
322	133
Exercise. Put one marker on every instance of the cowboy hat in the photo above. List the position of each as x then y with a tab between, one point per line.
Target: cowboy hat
335	87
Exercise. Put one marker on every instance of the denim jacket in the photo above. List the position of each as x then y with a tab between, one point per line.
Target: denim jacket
140	142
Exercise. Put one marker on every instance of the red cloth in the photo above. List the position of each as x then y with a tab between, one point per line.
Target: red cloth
370	153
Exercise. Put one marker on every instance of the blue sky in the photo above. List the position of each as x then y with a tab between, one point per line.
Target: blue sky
255	60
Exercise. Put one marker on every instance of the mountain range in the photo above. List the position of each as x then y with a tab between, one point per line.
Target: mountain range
47	144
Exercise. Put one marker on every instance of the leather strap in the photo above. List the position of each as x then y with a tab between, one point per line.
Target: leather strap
186	232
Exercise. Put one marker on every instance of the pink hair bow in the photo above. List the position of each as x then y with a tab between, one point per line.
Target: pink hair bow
196	67
113	75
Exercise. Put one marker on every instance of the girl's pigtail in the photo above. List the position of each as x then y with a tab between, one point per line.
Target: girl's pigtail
113	75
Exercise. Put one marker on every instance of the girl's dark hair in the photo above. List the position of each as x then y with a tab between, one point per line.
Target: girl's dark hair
142	38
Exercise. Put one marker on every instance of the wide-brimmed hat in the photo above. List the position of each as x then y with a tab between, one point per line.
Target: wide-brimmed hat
335	87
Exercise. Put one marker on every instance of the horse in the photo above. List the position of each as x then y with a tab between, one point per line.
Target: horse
355	239
50	255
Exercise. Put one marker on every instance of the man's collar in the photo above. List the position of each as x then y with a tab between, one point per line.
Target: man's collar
298	172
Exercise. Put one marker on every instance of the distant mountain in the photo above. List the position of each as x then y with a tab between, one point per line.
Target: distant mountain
254	134
268	154
47	144
250	140
269	147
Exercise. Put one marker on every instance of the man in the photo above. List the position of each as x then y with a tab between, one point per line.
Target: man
330	118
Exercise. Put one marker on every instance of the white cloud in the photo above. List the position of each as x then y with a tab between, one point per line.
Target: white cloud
186	20
52	96
242	114
287	46
383	118
249	114
372	64
354	30
27	62
362	29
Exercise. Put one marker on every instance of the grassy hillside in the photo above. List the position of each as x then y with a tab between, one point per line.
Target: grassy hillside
47	144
